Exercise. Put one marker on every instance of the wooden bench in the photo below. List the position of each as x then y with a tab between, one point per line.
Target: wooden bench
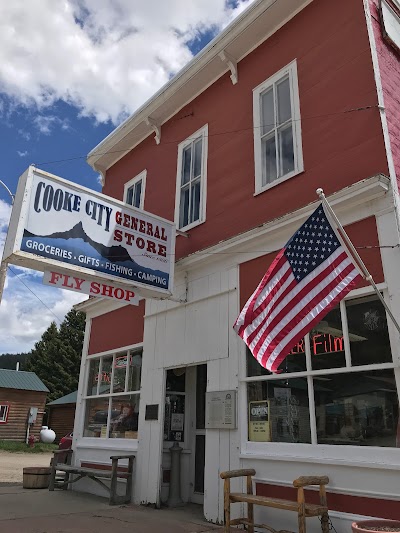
304	510
113	472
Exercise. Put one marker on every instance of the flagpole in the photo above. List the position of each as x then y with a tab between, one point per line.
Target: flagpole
356	255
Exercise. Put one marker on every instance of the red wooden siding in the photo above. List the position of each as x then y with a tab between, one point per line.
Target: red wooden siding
330	42
388	60
119	328
20	401
361	234
343	503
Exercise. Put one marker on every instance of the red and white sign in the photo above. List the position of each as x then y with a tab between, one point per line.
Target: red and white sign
93	288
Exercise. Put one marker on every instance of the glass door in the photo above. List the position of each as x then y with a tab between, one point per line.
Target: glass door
199	437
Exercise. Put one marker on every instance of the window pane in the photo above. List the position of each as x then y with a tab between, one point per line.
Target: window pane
186	164
93	377
278	411
184	208
201	386
195	202
197	158
368	333
138	194
96	418
358	409
176	379
106	373
119	372
135	369
294	362
327	343
199	462
269	159
286	150
283	96
129	196
124	416
267	111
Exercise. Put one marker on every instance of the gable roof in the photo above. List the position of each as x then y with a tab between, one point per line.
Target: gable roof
16	379
68	398
252	27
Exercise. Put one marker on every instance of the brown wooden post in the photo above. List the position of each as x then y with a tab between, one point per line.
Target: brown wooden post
325	516
250	506
227	505
129	480
301	510
113	485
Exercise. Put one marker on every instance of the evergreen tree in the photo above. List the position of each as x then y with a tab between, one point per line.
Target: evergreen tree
10	360
56	357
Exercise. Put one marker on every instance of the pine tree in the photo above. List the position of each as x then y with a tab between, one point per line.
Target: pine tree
56	357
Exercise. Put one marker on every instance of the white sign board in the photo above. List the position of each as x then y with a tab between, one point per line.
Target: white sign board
93	288
221	409
58	225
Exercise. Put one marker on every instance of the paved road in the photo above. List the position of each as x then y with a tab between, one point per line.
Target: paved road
11	464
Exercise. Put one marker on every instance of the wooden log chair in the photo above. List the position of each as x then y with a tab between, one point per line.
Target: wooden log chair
304	510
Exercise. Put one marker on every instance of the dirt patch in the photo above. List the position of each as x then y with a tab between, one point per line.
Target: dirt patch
12	464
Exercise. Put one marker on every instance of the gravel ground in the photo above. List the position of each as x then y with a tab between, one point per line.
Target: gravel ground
11	464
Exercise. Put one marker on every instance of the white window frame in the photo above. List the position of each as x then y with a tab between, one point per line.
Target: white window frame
291	71
140	177
4	418
329	453
133	350
203	133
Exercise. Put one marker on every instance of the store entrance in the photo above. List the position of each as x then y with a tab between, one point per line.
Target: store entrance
184	424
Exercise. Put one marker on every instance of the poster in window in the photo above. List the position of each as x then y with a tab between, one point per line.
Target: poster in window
177	421
259	423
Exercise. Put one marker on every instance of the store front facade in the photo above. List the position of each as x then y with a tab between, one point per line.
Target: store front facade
333	410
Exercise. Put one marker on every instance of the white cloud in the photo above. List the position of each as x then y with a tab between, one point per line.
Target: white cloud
25	316
22	154
28	307
45	123
106	57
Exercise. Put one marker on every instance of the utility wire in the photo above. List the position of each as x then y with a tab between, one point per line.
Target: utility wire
227	132
34	294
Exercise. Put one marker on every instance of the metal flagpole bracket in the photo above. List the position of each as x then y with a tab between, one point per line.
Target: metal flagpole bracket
356	256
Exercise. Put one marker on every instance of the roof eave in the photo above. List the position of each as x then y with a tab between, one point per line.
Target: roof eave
237	39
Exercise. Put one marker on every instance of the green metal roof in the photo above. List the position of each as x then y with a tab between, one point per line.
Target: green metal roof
15	379
69	398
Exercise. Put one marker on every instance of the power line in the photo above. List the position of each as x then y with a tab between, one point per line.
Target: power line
226	132
34	294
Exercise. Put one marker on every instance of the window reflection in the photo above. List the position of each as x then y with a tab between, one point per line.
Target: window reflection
358	408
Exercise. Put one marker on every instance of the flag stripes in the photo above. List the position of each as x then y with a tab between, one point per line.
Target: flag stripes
307	279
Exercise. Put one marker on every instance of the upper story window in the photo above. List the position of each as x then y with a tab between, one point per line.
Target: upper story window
191	180
277	129
134	190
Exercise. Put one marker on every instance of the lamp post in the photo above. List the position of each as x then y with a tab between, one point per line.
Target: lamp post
3	264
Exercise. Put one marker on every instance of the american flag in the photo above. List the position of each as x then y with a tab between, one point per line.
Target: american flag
308	277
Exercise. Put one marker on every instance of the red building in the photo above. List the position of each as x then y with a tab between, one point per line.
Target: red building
292	96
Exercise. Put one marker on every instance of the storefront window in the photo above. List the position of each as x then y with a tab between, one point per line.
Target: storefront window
174	417
112	404
279	411
357	408
356	405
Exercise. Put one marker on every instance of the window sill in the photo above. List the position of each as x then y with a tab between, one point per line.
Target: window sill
358	456
190	226
278	181
107	444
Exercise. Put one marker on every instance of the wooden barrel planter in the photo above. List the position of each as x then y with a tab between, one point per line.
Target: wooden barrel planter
36	477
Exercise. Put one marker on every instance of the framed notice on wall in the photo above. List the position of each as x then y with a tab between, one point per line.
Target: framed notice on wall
259	423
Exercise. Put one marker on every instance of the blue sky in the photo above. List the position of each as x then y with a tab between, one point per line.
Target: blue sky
70	72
